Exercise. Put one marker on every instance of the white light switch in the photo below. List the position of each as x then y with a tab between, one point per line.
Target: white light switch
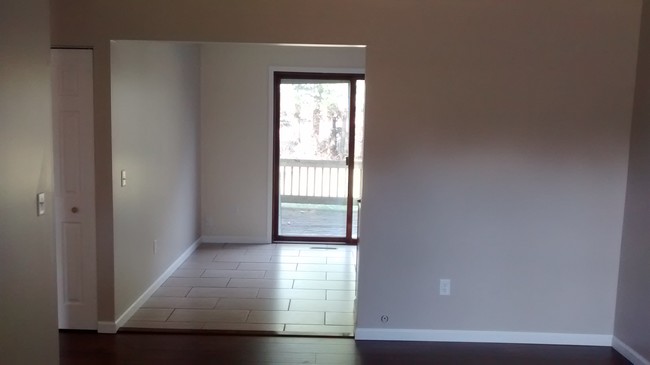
40	204
123	178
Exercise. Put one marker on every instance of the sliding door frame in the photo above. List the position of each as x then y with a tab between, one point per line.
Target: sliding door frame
352	78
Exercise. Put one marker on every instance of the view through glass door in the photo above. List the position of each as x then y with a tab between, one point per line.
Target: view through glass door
318	144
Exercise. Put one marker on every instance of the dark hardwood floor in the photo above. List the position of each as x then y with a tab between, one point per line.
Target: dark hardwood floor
170	349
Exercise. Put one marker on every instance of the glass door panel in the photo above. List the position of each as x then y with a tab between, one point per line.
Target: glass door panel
314	128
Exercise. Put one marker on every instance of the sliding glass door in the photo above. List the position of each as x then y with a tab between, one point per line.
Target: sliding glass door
317	156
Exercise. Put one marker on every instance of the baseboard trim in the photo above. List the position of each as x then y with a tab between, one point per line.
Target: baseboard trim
122	319
235	239
628	352
106	327
541	338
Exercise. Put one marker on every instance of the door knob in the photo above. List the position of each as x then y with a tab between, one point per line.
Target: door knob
74	209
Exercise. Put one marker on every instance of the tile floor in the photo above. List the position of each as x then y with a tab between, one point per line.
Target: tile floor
278	288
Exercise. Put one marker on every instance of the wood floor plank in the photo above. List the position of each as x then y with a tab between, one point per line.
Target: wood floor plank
78	348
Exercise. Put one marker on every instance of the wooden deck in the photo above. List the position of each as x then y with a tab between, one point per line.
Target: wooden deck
315	220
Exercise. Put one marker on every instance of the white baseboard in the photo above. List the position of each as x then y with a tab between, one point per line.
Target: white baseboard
628	352
112	327
235	239
106	327
482	336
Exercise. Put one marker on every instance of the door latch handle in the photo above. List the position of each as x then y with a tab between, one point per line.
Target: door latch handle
74	210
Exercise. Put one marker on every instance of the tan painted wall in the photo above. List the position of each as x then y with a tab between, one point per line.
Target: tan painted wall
235	131
632	315
155	113
28	333
496	144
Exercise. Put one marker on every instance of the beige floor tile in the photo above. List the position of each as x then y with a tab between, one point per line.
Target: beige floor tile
188	273
230	247
326	268
266	266
223	292
210	246
292	294
325	284
339	319
205	282
325	253
233	274
169	325
264	327
305	275
210	265
261	283
342	260
171	291
208	315
341	276
301	328
200	257
286	317
299	259
246	246
273	288
276	252
322	305
149	314
240	257
173	302
341	295
254	304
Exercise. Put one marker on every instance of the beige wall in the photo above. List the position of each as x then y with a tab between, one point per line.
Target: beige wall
497	158
155	96
496	144
632	314
235	131
28	333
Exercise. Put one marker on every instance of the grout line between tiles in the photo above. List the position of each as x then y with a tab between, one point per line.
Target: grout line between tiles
170	315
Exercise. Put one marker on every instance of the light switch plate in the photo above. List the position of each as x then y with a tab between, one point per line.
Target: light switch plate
40	204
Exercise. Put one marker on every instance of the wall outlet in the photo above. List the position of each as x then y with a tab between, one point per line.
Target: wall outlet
155	246
445	287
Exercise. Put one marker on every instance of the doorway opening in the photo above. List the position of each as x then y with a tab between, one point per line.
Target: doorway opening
318	122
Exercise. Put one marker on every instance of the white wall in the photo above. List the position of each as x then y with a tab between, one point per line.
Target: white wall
632	314
28	330
236	127
155	95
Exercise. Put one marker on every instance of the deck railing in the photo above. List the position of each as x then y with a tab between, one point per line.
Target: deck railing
317	181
